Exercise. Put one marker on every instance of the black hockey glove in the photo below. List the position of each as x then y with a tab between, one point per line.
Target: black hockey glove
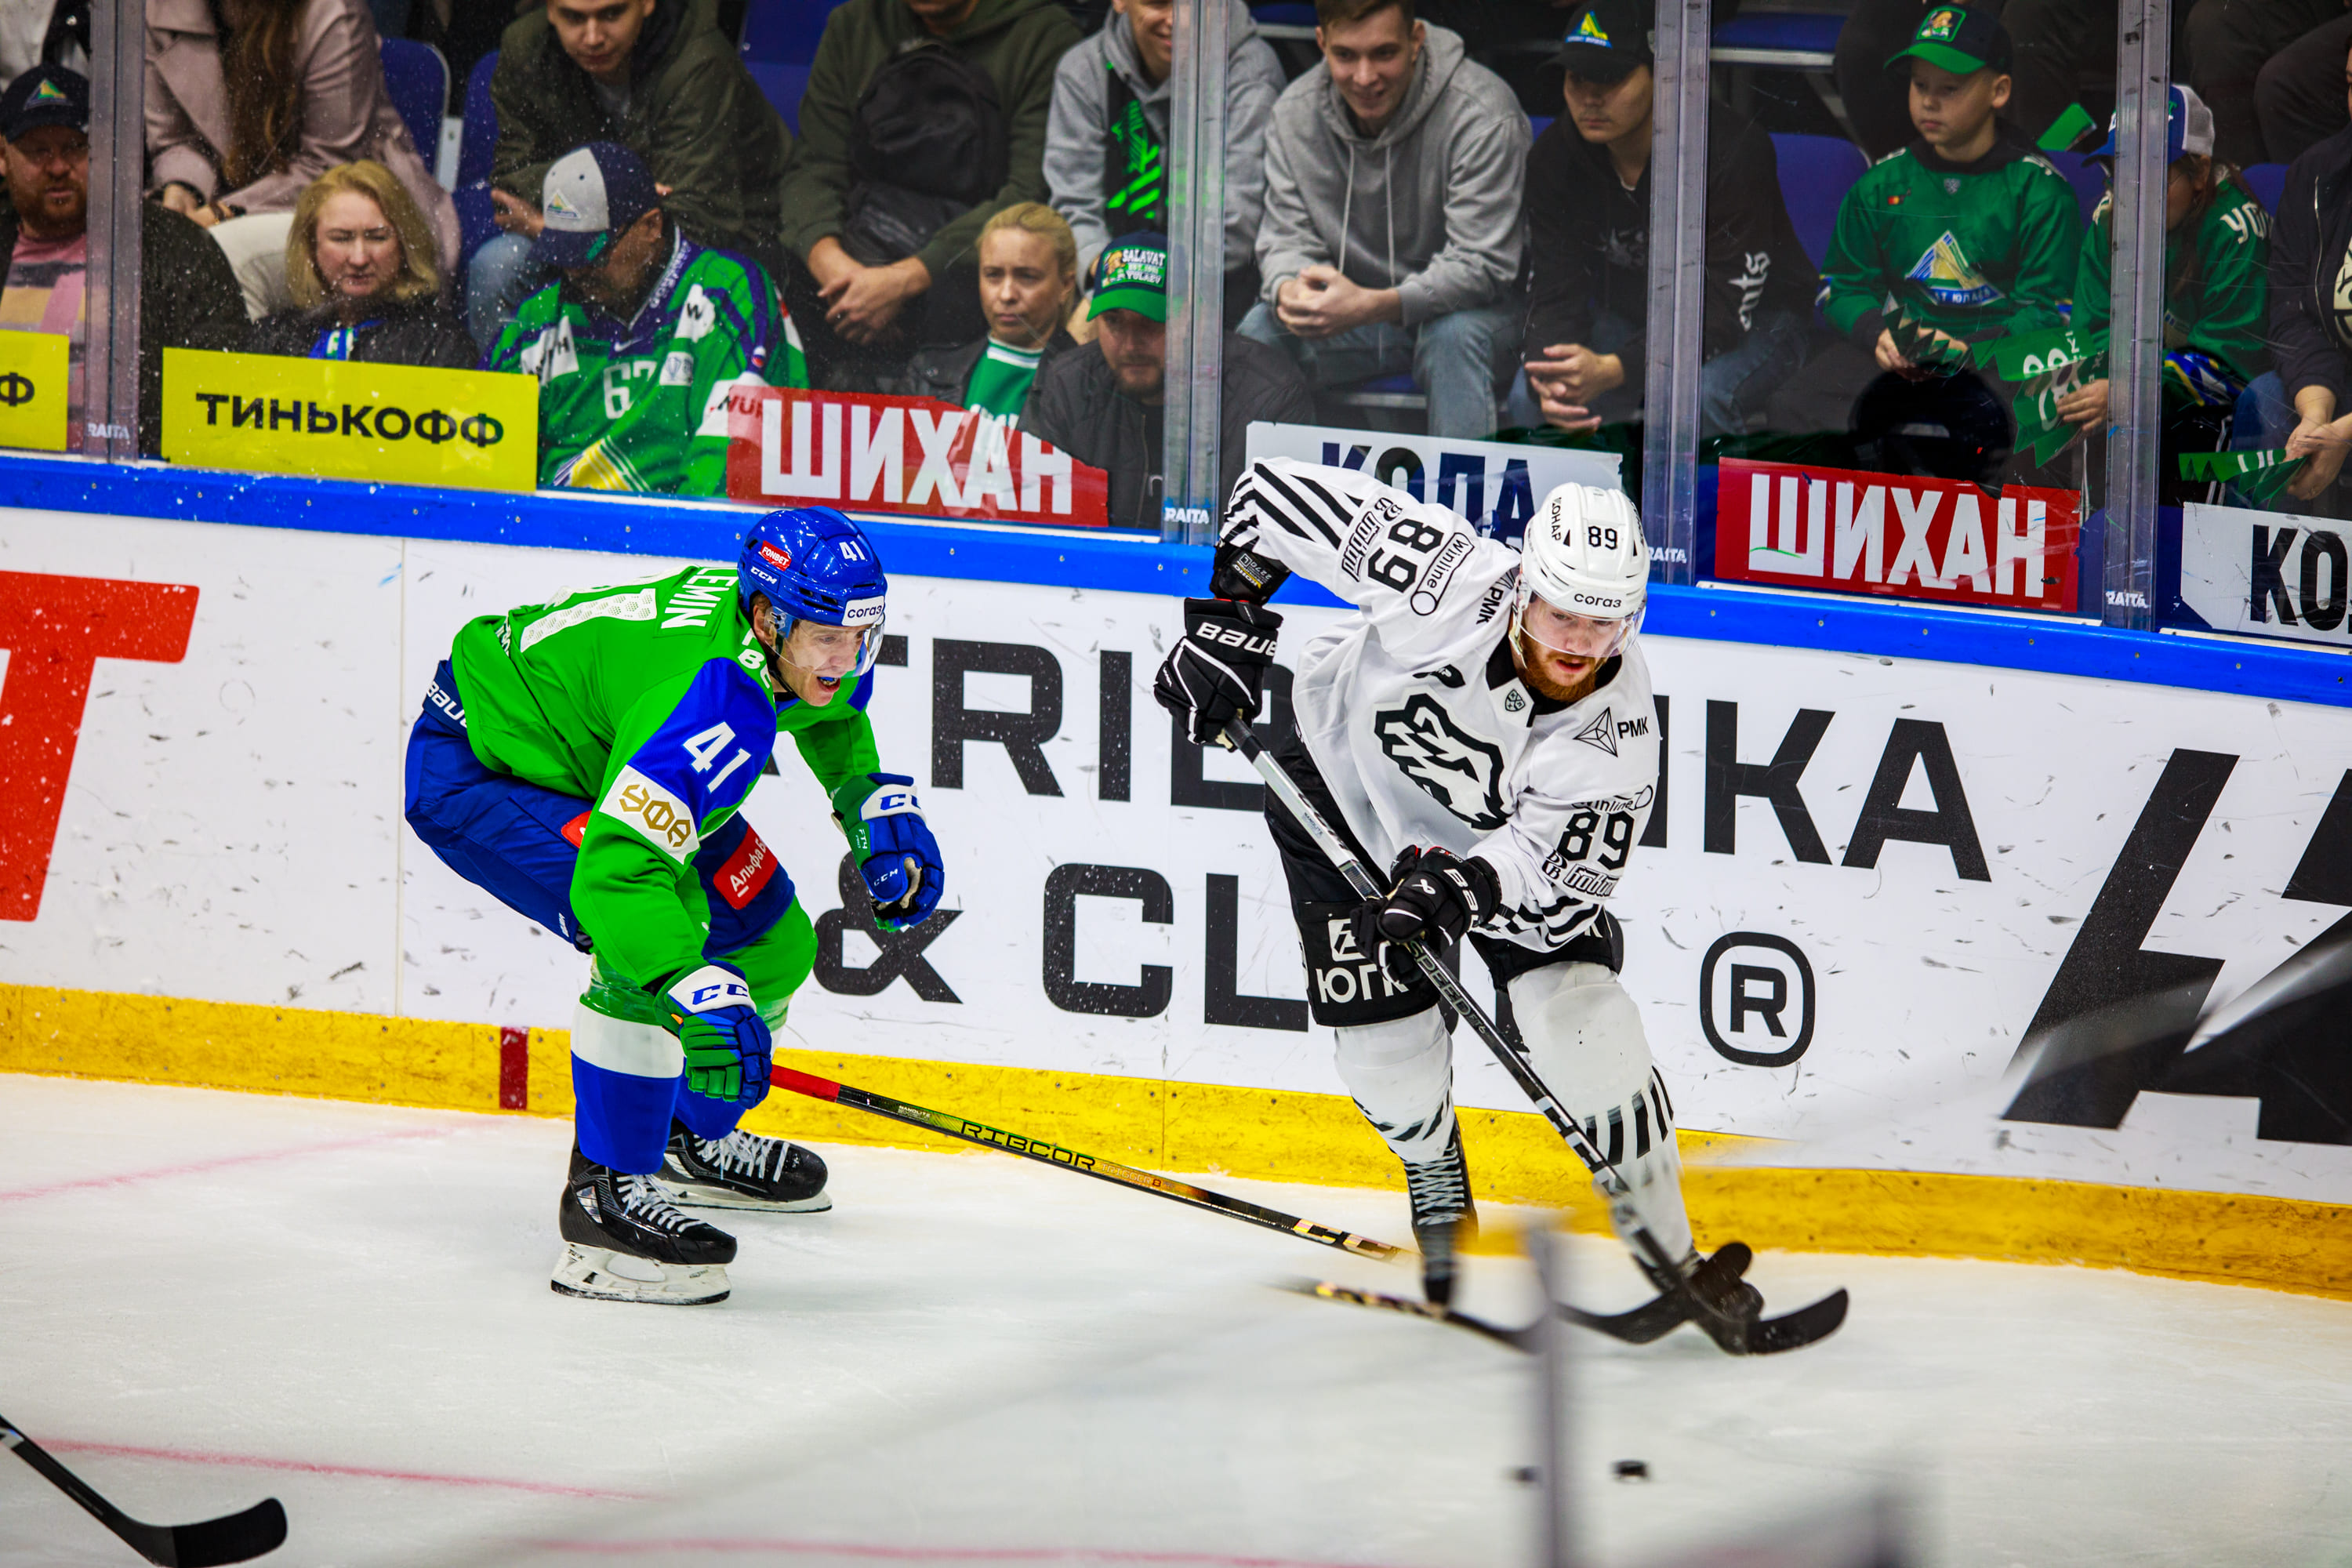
1434	895
1215	675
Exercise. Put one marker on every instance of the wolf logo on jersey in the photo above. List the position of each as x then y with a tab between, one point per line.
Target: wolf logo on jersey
1460	772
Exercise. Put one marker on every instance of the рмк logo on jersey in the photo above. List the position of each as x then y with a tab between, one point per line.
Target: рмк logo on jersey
1461	772
1950	277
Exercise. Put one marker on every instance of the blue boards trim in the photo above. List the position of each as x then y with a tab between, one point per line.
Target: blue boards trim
1135	564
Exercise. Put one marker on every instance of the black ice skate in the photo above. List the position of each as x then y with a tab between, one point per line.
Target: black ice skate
622	1241
1443	1218
1717	1282
742	1171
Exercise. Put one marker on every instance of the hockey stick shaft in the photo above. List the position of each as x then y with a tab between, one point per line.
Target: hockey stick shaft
1611	1182
1050	1153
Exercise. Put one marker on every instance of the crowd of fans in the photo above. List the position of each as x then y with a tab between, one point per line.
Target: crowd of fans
974	209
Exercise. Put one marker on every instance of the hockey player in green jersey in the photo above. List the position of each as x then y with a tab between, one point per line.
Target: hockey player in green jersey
2215	265
641	346
1964	236
585	763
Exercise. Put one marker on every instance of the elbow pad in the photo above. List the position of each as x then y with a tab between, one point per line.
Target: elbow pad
1242	574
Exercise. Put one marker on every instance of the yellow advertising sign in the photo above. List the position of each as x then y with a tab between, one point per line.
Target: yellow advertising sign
33	390
344	420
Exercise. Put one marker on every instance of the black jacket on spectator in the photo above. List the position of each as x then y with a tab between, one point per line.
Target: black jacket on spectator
944	372
1077	406
2311	250
188	299
1588	243
423	333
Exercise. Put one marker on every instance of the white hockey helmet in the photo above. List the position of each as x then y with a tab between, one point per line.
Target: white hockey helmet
1584	554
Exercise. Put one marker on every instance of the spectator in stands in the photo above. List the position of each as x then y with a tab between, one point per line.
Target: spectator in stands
645	346
2307	405
1102	404
1964	236
43	32
1028	278
654	76
2269	69
1393	229
248	102
360	265
187	298
1589	247
923	119
2216	258
1106	139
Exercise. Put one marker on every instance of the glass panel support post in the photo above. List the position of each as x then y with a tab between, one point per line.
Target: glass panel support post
2135	311
118	160
1555	1530
1678	306
1190	506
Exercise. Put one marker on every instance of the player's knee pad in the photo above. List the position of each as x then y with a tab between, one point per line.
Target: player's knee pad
1345	985
625	1072
1400	1072
1585	1036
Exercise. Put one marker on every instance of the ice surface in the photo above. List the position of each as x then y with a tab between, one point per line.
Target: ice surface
207	1297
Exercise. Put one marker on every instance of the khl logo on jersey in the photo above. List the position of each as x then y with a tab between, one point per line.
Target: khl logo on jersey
1950	277
1461	772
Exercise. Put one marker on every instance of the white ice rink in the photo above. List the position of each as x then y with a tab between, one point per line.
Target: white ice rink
208	1297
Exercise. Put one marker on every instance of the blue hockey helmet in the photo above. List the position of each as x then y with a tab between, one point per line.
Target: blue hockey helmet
816	566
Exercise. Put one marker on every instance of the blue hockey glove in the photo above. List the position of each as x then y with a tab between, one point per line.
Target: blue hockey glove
891	846
726	1042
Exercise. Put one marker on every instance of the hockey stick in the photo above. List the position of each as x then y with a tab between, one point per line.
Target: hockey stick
232	1539
1049	1153
1738	1336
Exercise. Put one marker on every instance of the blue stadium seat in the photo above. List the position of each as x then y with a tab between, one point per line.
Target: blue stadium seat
2268	182
2089	179
418	77
780	39
478	141
1789	40
1284	20
1539	123
1816	172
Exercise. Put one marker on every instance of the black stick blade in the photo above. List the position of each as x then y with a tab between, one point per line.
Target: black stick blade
1794	1331
238	1538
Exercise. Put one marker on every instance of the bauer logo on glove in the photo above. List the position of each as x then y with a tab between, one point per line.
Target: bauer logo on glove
1214	677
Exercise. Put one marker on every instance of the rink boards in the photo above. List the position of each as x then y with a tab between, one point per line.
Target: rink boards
1865	880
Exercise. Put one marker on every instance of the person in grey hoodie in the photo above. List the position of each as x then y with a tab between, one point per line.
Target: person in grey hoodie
1392	233
1106	136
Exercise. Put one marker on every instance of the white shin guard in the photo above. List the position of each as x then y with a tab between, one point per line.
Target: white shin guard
1402	1075
1585	1035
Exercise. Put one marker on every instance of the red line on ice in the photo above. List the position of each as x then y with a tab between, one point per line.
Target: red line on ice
425	1477
936	1553
197	1167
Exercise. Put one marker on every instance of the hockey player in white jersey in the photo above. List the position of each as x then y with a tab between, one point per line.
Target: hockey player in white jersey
1484	726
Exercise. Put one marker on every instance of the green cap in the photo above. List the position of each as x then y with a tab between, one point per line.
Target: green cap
1133	275
1960	40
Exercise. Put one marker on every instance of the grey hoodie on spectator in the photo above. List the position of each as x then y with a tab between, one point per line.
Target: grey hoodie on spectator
1429	208
1076	133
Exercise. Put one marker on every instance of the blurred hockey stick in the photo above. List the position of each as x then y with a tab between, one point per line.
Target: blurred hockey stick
1738	1336
232	1539
1050	1153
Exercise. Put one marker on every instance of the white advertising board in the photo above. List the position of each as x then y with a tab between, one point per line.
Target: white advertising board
2267	572
1494	485
1866	881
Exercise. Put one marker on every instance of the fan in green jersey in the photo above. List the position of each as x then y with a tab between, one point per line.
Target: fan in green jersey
585	762
643	347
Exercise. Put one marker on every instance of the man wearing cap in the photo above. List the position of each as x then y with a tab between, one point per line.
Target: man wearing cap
639	345
1392	239
1964	236
2216	252
188	298
1589	247
1101	403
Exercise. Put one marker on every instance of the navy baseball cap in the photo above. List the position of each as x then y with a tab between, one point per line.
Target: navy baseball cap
590	195
1606	41
46	95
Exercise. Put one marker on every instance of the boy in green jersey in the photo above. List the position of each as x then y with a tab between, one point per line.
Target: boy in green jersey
585	763
2215	265
647	341
1964	236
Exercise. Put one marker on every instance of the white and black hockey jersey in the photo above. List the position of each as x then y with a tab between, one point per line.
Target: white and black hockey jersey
1414	713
